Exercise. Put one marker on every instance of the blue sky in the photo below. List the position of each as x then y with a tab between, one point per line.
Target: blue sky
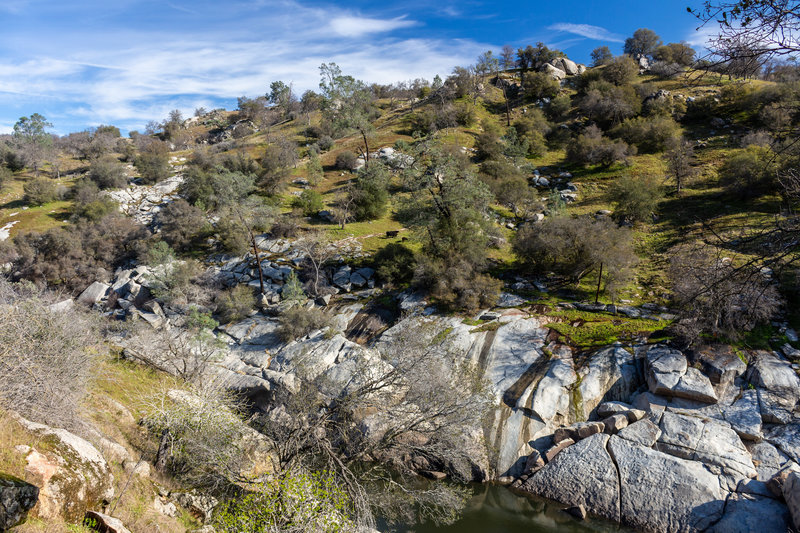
124	62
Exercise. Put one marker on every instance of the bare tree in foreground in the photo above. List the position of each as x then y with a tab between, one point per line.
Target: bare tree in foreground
417	404
46	360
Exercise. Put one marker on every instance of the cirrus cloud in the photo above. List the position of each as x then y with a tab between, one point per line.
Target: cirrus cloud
588	31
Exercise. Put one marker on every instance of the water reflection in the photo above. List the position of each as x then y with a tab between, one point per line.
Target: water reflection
495	509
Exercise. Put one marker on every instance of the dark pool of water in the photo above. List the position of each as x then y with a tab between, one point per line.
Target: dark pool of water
496	509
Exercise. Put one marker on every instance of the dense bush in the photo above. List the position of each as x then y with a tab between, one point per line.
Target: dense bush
609	105
13	159
152	162
182	224
649	135
621	70
574	247
346	160
457	283
558	108
40	191
293	502
371	192
488	144
235	304
635	198
74	256
539	85
108	173
47	361
749	172
325	143
298	321
591	148
215	188
309	202
395	263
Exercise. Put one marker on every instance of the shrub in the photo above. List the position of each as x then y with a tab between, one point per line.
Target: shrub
314	170
178	283
533	121
68	257
13	159
488	144
591	148
153	162
294	501
285	226
309	202
346	160
293	289
457	284
46	363
371	192
574	247
395	263
216	188
298	321
40	191
749	172
182	224
466	115
325	143
235	304
717	297
621	70
540	85
158	253
558	107
635	197
108	173
650	135
664	69
610	105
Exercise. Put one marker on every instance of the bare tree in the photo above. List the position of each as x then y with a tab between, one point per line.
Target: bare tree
417	398
46	360
318	250
182	352
202	438
768	28
718	296
680	162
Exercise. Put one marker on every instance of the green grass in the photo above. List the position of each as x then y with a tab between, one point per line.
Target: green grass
589	330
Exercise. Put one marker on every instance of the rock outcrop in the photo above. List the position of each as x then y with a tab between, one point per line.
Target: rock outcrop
71	474
16	498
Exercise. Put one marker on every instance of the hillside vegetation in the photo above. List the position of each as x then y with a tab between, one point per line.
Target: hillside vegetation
647	198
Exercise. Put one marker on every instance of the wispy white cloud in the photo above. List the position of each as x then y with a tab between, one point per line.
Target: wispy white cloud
351	26
596	33
89	82
701	36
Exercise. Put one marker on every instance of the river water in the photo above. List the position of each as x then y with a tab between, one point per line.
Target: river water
496	509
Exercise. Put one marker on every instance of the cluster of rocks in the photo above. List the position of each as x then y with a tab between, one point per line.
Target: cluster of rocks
556	181
699	447
388	155
561	67
143	202
130	294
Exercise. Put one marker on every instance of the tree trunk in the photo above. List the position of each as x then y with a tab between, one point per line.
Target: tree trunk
599	279
258	262
366	148
160	463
